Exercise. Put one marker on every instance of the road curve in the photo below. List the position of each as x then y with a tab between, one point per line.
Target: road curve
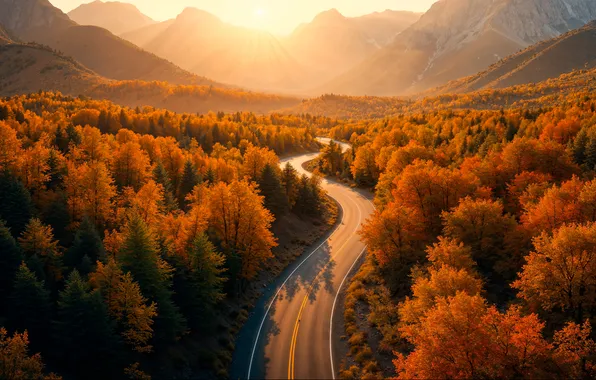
289	333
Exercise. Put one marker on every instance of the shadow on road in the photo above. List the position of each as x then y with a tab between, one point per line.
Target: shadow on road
316	273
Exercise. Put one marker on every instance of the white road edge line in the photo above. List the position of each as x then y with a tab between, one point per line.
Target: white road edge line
335	301
252	355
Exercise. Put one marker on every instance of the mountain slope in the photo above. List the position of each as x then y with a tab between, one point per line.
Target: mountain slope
94	47
114	16
382	27
144	35
549	59
332	43
201	43
26	68
458	38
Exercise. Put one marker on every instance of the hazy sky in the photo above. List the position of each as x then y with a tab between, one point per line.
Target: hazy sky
278	16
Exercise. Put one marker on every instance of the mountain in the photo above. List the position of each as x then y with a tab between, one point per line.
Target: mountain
458	38
114	16
142	36
96	48
548	59
202	43
332	43
27	68
382	27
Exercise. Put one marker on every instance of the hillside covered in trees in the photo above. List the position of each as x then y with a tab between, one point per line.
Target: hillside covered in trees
551	91
482	256
27	68
126	236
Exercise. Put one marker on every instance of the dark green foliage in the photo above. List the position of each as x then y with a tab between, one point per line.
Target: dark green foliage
139	256
308	201
84	333
273	190
87	243
190	178
56	171
15	203
4	113
160	175
74	136
198	282
289	178
10	259
36	265
61	139
30	305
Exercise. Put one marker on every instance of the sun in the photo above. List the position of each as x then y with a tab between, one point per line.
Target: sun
259	13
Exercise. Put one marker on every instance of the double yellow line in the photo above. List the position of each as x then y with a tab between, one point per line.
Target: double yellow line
291	359
304	302
295	336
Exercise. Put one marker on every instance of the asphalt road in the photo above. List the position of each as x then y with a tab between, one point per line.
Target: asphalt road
293	332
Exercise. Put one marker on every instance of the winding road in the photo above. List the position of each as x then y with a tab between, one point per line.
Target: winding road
294	330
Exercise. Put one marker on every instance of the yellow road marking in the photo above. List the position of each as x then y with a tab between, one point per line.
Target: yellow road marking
291	360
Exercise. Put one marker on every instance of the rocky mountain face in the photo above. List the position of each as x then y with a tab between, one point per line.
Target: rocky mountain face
94	47
457	38
114	16
383	27
33	20
545	60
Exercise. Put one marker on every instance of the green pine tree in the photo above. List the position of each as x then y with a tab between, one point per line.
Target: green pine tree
16	207
30	305
84	332
139	256
198	282
160	175
273	190
590	152
87	243
290	179
190	178
10	259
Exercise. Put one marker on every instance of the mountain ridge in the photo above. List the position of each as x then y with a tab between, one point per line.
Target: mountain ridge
458	38
115	16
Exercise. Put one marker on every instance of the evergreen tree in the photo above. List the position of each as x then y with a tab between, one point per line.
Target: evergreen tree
16	207
290	179
160	175
579	146
103	123
74	136
61	139
139	256
38	242
308	201
273	190
30	305
56	170
198	281
10	259
190	178
591	152
87	244
210	176
84	333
